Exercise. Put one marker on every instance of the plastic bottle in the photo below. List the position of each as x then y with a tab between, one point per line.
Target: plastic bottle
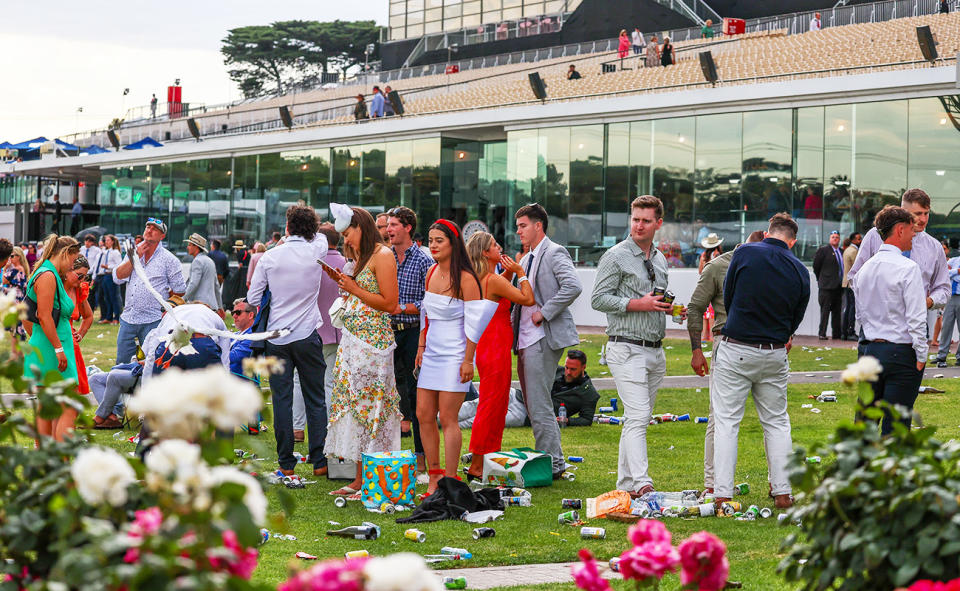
562	415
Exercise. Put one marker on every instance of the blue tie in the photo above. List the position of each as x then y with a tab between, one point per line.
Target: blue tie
836	253
906	253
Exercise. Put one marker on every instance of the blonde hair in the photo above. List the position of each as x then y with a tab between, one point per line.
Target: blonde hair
260	247
479	243
20	256
55	245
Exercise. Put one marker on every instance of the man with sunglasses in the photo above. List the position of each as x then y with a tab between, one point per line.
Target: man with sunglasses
141	313
627	275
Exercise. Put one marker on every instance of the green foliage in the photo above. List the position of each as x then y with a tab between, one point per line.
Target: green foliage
286	54
885	513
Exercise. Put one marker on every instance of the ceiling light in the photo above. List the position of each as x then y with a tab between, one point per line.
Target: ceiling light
941	172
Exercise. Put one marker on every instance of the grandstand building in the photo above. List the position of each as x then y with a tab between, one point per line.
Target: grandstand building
829	125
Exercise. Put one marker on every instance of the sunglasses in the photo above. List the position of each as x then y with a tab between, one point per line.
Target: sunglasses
239	312
651	274
156	221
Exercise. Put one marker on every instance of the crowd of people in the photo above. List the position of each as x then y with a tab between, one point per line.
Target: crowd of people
382	339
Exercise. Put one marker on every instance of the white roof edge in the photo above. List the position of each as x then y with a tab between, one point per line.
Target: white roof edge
869	87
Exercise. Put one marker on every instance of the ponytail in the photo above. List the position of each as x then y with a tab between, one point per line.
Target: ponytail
53	246
479	243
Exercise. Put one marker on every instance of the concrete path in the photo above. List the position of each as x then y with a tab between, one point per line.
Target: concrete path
509	576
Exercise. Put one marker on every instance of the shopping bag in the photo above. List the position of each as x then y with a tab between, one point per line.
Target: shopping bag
388	477
521	466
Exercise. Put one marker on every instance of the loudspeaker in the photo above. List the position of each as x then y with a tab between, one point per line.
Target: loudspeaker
608	68
708	67
114	140
537	85
927	45
396	102
286	117
167	136
194	130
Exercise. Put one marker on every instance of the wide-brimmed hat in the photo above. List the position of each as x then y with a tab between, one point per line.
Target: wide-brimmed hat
712	240
198	241
239	245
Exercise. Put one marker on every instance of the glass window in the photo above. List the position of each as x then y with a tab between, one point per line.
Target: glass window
617	194
434	14
674	142
532	8
934	165
473	7
372	168
434	3
492	16
553	6
879	174
471	20
398	162
767	166
414	30
397	21
554	152
451	11
718	207
512	3
510	14
490	4
426	178
415	17
433	27
398	7
414	5
584	224
524	166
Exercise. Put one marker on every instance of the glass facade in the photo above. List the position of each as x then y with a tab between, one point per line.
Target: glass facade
414	18
831	167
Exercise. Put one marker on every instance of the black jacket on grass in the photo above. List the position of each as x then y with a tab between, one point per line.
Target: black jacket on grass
579	397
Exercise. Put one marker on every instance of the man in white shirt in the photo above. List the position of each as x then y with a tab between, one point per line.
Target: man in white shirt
815	22
293	276
638	41
892	312
91	251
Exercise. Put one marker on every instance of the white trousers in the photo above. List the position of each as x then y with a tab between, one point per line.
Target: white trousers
299	410
638	372
738	369
708	437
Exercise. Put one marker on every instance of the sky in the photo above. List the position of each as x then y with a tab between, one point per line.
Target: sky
62	55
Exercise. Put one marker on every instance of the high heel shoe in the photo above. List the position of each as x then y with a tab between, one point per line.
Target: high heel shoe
436	472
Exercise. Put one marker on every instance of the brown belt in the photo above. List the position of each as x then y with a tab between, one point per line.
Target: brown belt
761	346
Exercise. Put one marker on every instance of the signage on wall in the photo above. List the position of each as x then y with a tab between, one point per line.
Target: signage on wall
472	227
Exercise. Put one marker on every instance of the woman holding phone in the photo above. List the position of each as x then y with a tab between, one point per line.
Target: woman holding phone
493	349
364	408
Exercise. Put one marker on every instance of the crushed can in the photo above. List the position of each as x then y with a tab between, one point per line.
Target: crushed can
707	509
813	460
766	513
454	582
615	564
593	533
466	458
356	554
571	504
484	532
568	518
730	508
569	476
388	508
742	489
415	535
613	403
340	502
753	510
703	419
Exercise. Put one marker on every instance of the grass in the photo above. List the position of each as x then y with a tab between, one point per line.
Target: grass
531	535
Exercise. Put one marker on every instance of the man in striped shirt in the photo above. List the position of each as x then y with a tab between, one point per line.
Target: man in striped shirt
626	277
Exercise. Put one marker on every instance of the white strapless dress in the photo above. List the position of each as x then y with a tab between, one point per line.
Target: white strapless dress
450	322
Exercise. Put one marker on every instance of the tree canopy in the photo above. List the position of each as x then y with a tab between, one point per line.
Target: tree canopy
286	54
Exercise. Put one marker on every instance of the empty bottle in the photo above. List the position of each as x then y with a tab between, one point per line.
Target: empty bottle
562	415
357	532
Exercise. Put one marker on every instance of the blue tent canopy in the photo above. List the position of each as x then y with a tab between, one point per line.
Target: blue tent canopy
147	142
33	144
94	150
65	146
5	145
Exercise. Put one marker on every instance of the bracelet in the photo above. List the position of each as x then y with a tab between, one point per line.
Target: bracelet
58	350
522	278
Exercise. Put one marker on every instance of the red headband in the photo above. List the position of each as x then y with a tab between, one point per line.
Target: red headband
449	225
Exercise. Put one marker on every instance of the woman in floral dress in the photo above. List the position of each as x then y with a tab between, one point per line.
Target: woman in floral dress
364	409
15	281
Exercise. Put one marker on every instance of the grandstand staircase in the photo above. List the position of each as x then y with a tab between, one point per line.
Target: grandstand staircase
696	10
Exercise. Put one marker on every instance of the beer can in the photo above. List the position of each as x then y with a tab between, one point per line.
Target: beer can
569	476
782	517
466	458
415	535
677	313
813	460
605	409
571	504
455	582
613	403
703	420
753	512
707	510
575	459
766	512
615	564
387	508
614	421
568	518
484	532
742	489
356	554
668	297
730	507
593	533
659	291
684	417
340	502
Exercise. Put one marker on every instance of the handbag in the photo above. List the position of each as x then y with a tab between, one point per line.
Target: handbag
337	310
521	467
32	307
388	477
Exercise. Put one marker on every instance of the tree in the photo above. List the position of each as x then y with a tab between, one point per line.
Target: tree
293	53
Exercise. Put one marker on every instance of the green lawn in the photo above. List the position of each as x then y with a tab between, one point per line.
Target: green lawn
531	535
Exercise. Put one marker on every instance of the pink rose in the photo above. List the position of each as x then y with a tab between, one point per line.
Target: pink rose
132	555
703	562
331	575
586	575
146	522
648	530
651	559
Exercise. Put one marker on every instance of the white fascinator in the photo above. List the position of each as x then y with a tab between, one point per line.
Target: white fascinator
342	216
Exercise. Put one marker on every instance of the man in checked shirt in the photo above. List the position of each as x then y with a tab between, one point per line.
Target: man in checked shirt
412	266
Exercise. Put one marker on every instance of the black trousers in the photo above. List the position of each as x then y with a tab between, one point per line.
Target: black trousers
830	304
404	358
849	320
306	356
899	381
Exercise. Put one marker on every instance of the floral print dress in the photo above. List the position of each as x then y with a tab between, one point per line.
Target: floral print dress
15	282
364	409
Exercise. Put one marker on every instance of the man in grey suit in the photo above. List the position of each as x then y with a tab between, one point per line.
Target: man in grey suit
541	332
203	285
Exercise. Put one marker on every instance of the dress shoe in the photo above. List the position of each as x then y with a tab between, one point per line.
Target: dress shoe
822	338
647	488
783	501
297	436
942	363
322	471
287	472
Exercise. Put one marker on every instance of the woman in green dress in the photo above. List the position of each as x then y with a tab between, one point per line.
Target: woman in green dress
52	343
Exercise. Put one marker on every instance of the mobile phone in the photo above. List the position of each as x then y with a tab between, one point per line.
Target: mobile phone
416	372
331	271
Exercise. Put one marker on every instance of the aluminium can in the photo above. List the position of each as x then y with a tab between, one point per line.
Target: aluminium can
415	535
484	532
593	533
356	554
742	489
571	504
454	582
568	517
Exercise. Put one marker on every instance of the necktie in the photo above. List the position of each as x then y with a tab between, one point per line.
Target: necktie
906	253
836	253
529	266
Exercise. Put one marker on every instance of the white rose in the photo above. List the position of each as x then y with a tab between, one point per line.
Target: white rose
102	476
866	369
400	572
177	465
254	498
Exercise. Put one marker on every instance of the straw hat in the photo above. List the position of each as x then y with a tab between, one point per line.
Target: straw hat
712	240
239	245
198	241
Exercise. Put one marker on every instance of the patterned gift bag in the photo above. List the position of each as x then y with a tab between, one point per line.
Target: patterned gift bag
388	477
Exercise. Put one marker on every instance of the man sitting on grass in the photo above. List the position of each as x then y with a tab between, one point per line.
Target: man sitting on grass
574	389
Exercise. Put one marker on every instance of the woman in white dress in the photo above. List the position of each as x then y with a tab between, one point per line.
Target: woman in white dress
364	411
453	317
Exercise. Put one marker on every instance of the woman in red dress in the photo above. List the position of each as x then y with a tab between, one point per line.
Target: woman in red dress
493	349
77	284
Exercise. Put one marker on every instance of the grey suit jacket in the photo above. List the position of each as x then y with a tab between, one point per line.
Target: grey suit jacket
202	285
555	287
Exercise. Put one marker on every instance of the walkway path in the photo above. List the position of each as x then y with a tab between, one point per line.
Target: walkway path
508	576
